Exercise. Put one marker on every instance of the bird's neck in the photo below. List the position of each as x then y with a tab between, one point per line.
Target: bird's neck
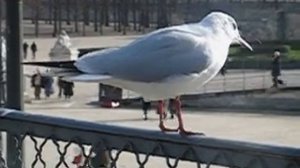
220	44
219	38
216	30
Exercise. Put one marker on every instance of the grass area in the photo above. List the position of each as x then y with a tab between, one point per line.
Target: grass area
290	51
294	55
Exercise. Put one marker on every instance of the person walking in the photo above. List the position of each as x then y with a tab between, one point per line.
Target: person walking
146	106
60	86
36	83
48	85
68	89
33	48
25	48
172	108
276	70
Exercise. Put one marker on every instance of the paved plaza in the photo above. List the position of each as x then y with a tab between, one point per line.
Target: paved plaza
280	128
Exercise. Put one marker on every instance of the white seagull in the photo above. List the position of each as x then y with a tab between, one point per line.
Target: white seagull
165	63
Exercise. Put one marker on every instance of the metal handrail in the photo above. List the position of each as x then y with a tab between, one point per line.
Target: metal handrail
198	149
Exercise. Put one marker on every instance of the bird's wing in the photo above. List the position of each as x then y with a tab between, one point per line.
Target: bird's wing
153	58
86	78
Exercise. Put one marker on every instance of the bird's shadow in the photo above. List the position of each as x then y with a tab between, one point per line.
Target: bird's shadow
126	120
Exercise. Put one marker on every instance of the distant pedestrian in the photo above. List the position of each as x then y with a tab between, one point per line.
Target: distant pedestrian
25	48
165	109
60	86
36	83
48	85
68	89
276	69
33	48
172	107
146	107
223	70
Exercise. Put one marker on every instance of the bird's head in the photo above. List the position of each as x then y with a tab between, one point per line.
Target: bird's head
226	24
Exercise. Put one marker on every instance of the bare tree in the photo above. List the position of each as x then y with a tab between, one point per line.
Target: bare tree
162	19
59	5
141	15
102	16
1	9
50	11
188	6
37	15
124	8
146	14
114	8
152	10
76	11
96	7
105	8
55	13
172	8
134	19
85	18
139	6
86	12
35	9
119	15
68	12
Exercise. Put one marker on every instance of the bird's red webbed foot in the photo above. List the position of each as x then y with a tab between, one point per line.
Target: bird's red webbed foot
181	129
165	129
162	116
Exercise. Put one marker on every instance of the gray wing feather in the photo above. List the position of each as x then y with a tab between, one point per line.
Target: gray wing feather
150	59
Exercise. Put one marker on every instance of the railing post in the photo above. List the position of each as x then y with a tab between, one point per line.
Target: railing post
14	76
2	161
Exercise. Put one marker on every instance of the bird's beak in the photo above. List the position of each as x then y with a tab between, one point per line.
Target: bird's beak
241	41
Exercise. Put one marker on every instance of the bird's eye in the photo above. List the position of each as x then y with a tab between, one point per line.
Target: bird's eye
234	26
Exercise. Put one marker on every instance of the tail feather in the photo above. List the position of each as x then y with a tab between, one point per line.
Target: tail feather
54	64
68	71
58	68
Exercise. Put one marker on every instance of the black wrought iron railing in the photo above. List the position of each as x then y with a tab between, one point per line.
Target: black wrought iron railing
48	142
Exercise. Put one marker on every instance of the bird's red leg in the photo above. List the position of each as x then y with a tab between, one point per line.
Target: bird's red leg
162	117
180	121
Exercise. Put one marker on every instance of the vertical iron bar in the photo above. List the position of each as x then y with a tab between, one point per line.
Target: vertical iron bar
224	83
2	162
14	71
244	75
264	79
2	81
